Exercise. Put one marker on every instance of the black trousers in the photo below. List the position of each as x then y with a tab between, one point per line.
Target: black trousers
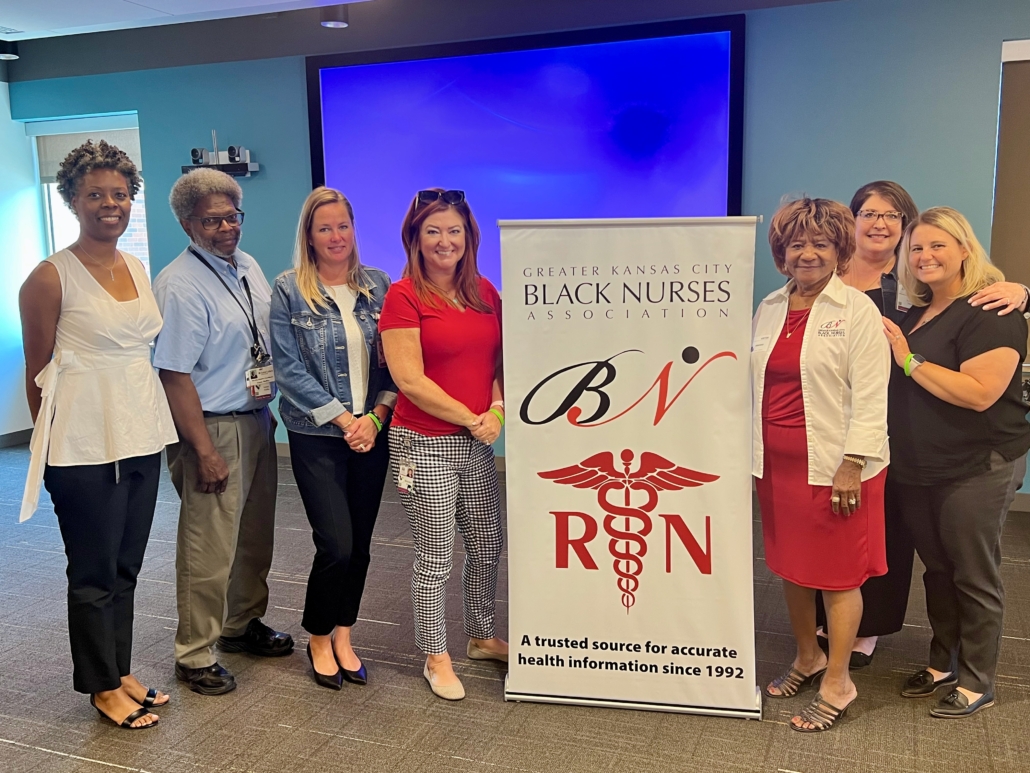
105	512
957	529
885	598
341	490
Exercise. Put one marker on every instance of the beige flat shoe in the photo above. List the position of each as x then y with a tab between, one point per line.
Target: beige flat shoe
478	653
449	692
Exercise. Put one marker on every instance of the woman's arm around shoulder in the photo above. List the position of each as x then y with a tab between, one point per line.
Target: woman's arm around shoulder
40	304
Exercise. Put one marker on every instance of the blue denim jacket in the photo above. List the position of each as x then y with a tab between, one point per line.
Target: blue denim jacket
310	356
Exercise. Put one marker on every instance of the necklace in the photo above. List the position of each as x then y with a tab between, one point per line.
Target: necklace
798	324
109	269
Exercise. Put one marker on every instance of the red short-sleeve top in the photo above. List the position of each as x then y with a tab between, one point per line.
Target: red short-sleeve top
459	351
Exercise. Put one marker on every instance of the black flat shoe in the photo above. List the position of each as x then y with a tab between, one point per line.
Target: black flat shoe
258	639
355	677
127	722
956	705
922	685
213	680
860	660
333	682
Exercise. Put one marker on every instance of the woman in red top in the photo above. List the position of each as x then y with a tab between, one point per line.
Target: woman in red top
441	331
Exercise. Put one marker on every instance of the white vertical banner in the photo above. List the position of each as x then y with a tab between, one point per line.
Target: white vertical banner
628	463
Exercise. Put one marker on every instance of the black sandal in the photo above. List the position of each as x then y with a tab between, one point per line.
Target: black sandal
150	702
791	683
821	714
127	722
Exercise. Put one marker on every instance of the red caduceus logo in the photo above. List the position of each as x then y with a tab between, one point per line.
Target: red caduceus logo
655	473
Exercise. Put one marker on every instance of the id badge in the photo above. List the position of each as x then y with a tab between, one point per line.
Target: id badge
405	476
260	381
903	303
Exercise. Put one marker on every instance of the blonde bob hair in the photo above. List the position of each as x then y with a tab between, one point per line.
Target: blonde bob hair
977	270
305	262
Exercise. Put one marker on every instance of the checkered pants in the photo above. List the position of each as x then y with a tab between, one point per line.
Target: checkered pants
455	483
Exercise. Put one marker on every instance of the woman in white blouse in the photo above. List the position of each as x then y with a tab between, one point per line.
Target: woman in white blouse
336	401
101	421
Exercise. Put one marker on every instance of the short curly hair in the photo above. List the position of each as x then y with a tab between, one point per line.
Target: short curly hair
89	157
809	217
198	183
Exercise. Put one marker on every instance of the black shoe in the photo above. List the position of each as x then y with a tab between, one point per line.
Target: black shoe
859	660
922	685
258	639
213	680
333	682
355	677
956	705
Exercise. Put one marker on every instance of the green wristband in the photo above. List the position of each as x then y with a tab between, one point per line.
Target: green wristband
908	361
498	414
375	420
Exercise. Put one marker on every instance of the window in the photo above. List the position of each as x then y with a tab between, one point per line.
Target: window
61	224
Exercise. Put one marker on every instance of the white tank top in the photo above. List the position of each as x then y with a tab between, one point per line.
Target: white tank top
102	398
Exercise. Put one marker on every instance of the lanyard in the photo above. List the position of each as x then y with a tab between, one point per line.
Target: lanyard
257	350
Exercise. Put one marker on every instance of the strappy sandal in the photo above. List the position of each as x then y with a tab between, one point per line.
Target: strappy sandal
150	702
127	722
820	714
791	683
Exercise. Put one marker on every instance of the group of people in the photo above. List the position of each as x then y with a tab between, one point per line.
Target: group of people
366	371
888	414
859	461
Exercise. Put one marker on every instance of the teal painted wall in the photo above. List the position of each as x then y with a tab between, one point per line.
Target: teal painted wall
21	247
837	94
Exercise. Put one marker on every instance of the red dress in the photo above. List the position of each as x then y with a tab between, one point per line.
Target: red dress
805	542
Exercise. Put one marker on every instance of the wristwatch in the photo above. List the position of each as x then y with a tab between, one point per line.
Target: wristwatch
912	362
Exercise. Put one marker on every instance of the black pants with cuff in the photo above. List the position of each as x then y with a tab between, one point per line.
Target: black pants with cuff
341	490
957	530
105	512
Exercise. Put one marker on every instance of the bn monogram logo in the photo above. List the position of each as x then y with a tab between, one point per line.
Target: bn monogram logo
628	525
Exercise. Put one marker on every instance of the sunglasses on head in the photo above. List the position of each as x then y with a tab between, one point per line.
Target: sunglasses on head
449	197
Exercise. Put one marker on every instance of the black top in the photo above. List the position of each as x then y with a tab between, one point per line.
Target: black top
933	441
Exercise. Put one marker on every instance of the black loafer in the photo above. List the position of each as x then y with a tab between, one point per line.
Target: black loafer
258	639
922	685
956	705
213	680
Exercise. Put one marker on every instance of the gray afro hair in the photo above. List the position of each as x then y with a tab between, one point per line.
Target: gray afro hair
198	183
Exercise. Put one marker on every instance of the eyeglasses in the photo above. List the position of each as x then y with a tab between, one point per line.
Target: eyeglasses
871	216
449	197
214	223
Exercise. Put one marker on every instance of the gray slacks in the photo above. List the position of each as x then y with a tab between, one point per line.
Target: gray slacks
957	530
224	545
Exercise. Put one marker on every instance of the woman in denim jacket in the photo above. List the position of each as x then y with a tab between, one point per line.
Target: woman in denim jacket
337	395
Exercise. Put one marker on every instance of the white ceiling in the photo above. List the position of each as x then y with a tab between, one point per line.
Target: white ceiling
26	19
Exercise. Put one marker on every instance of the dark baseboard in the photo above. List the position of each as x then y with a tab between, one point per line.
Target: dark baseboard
19	438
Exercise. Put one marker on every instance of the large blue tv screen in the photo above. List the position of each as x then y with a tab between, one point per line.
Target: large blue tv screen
633	128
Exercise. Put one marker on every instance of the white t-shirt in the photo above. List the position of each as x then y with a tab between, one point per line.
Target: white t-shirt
357	350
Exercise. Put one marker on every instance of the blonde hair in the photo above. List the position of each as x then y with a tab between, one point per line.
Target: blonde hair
977	270
305	263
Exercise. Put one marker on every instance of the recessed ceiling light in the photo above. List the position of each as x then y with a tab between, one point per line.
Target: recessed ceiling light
8	50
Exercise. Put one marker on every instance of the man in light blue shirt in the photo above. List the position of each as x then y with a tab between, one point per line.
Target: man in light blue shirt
212	357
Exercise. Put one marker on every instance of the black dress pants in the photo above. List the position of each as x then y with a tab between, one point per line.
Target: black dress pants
341	490
957	529
105	512
885	598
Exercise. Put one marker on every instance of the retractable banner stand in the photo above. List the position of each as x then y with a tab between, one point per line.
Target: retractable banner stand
628	463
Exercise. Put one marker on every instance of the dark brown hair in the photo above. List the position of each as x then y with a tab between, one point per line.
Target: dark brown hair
467	271
895	194
805	217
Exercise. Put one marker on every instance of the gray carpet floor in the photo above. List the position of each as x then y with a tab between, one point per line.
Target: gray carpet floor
278	720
